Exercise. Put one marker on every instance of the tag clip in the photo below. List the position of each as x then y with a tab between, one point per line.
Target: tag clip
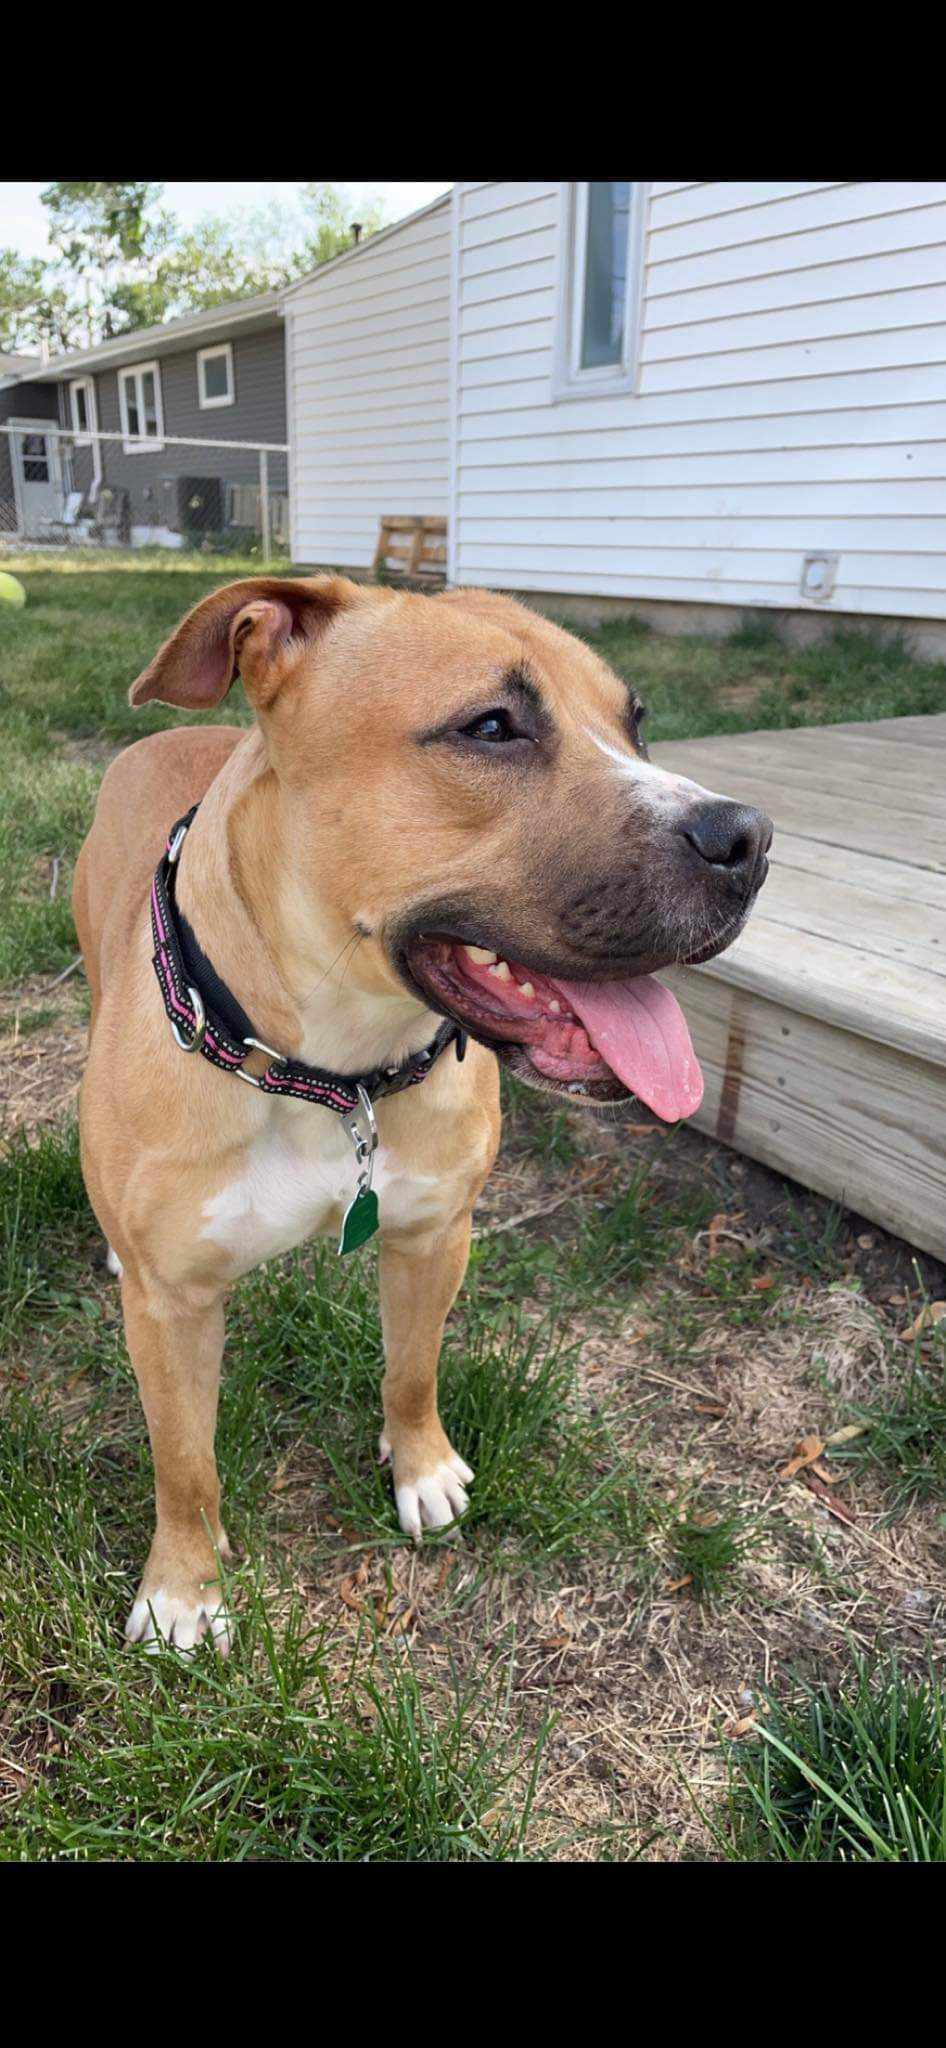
360	1220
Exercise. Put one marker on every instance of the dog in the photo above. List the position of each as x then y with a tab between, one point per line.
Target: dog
441	841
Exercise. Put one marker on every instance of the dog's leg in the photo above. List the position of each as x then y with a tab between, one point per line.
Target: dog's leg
176	1350
420	1278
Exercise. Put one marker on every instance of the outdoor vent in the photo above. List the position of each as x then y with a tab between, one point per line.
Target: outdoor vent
818	577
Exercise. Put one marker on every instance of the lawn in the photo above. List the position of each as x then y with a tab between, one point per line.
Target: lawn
651	1640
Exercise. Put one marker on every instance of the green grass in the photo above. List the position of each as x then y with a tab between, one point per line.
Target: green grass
321	1740
709	1544
302	1745
753	680
853	1774
275	1754
906	1436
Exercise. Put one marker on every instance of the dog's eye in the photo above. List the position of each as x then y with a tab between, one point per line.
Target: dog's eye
493	726
638	715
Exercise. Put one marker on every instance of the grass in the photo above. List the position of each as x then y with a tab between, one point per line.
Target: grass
848	1774
906	1435
709	1545
754	680
505	1692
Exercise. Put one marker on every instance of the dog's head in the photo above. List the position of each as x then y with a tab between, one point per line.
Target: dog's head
468	792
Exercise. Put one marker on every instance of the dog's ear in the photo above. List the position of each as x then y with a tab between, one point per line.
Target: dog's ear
259	629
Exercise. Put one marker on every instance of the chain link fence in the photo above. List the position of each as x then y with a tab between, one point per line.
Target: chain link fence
59	489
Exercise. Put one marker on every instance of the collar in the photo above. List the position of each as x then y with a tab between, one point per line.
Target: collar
206	1017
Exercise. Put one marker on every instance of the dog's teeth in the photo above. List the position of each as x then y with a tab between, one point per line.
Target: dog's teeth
553	1006
526	988
480	954
501	971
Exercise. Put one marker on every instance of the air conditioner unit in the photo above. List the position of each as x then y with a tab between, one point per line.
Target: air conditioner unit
199	503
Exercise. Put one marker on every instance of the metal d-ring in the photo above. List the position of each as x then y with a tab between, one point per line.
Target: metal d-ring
194	1043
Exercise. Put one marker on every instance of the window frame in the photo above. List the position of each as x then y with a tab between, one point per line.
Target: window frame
83	436
216	348
602	380
141	444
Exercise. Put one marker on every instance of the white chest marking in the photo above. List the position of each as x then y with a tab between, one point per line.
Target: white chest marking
288	1192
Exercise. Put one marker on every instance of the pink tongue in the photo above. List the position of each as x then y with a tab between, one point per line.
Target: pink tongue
640	1029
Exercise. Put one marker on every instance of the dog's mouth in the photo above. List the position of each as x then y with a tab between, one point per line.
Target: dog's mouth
607	1041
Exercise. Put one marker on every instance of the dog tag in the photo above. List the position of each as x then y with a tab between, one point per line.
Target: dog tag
360	1221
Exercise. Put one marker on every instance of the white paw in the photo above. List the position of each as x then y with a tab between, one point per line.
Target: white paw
113	1262
436	1498
163	1619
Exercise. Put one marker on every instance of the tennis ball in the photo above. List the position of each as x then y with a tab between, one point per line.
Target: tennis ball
11	592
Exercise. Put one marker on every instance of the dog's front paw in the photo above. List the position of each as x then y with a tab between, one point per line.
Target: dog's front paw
161	1618
430	1482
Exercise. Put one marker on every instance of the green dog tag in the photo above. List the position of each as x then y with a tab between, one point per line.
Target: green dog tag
360	1221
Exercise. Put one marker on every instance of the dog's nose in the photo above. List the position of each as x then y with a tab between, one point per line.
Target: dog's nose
733	839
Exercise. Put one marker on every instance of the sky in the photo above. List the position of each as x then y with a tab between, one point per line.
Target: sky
23	218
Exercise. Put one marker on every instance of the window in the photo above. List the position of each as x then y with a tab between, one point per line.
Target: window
35	459
82	408
139	398
215	375
601	261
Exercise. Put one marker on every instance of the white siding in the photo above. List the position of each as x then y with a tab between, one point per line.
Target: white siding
368	344
792	400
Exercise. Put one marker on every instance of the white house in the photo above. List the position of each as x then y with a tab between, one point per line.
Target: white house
696	399
368	392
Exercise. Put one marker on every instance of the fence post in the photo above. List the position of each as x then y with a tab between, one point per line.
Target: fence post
264	504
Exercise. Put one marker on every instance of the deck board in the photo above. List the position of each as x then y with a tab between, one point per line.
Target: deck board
822	1031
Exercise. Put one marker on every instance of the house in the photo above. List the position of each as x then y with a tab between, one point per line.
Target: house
688	400
368	376
210	377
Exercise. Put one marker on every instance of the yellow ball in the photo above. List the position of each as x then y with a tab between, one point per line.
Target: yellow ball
11	592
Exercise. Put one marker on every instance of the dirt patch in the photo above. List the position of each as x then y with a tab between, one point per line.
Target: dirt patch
43	1038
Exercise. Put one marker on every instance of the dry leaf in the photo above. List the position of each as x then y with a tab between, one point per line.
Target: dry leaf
762	1282
676	1585
716	1224
550	1643
742	1726
843	1436
402	1622
930	1314
350	1597
829	1478
803	1454
830	1500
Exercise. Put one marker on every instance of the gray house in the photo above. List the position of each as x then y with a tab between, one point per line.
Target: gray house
117	467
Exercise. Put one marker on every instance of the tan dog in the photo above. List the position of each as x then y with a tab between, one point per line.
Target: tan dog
444	809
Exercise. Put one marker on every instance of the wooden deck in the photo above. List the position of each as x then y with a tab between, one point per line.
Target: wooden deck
822	1032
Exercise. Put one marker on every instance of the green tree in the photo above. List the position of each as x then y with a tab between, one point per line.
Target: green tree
33	307
106	235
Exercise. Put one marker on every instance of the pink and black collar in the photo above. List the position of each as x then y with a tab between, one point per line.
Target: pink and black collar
205	1016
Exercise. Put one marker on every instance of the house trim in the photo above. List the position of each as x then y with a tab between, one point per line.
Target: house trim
358	249
215	348
141	444
87	384
568	380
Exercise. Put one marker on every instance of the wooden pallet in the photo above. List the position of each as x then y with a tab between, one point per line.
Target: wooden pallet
822	1032
409	546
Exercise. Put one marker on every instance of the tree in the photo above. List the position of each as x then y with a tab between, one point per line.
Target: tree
107	235
33	307
122	261
330	215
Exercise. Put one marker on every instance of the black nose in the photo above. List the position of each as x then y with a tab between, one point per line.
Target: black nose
732	839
